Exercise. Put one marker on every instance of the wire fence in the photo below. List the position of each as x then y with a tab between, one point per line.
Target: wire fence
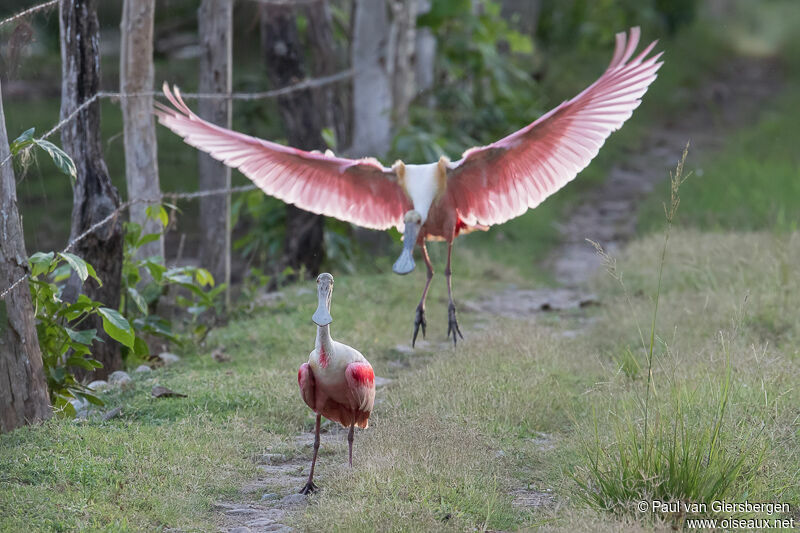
29	11
125	205
310	83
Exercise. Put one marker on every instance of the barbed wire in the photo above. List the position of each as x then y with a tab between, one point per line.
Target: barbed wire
29	11
305	84
309	83
125	205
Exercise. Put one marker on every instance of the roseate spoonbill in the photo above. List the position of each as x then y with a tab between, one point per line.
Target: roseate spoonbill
437	201
337	382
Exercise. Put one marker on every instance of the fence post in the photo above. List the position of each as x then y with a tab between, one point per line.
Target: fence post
215	20
23	389
136	76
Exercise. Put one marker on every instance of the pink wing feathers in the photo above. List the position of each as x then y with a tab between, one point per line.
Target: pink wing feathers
498	182
361	383
305	378
359	191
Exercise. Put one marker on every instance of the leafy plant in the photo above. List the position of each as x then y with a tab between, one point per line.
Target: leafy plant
62	161
146	280
58	322
483	83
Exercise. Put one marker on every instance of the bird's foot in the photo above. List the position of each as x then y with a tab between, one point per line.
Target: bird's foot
452	324
308	488
419	320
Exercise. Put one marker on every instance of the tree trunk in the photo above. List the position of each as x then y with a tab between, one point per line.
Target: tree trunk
372	55
23	389
215	19
404	28
303	120
94	197
425	54
136	76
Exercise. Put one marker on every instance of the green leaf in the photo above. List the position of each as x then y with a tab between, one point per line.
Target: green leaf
204	277
156	269
117	327
157	212
77	264
87	364
329	136
63	162
138	299
40	263
91	398
150	237
140	347
85	336
24	140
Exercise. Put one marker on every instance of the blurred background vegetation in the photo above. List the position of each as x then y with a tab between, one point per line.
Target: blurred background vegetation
498	66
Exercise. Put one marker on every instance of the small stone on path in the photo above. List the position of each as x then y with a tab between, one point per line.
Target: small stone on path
98	385
143	368
168	358
267	496
120	378
294	499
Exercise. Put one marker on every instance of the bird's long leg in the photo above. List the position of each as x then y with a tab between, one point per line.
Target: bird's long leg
419	320
310	487
452	322
350	442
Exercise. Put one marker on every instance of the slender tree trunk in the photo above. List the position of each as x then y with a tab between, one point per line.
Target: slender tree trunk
23	389
404	28
425	53
372	55
303	119
215	18
136	76
94	197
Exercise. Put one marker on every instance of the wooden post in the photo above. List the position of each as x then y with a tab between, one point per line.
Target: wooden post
215	19
304	121
93	195
404	28
136	76
372	55
23	389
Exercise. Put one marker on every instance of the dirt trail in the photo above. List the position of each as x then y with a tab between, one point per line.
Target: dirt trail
606	215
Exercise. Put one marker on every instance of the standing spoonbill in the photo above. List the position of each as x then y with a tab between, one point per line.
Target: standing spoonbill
337	382
488	185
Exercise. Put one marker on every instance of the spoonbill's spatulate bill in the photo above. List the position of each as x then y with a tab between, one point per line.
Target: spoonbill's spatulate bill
337	382
488	185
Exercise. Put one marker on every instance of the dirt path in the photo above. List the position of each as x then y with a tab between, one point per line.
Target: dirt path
606	215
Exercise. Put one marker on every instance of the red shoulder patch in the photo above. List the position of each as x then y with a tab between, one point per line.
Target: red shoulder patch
363	374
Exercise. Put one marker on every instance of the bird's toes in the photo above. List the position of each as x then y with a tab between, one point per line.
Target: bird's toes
419	321
309	488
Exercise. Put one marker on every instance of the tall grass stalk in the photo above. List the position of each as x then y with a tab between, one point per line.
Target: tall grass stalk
671	456
676	180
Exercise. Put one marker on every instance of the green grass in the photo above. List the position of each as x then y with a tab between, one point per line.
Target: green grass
753	184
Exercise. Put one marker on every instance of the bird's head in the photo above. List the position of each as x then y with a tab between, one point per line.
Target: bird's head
322	316
405	263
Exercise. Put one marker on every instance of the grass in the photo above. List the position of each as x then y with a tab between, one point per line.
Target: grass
457	432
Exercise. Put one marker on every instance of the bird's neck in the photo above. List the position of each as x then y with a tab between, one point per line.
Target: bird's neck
324	344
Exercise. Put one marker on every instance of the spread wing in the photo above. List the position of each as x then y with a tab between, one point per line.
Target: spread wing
498	182
359	191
